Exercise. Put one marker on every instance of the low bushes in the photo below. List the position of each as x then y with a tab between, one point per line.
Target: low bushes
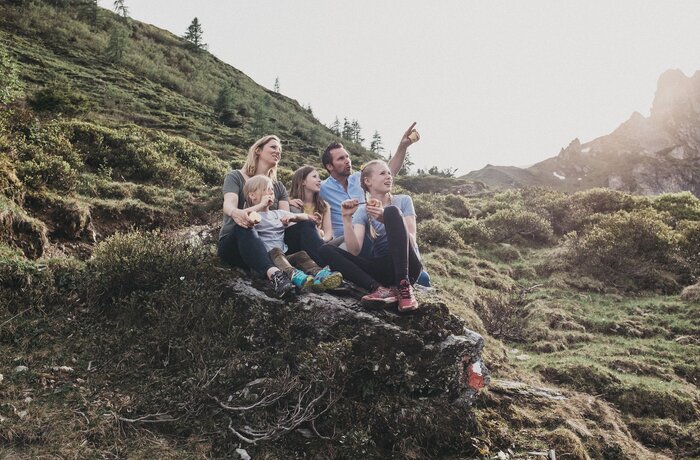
517	225
136	263
436	233
635	251
472	231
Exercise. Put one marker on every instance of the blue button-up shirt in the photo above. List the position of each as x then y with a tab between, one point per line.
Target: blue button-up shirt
334	193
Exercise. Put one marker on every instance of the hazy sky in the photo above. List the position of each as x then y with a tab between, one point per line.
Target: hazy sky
500	82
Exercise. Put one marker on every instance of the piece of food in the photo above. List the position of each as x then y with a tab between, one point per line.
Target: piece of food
414	136
374	202
254	217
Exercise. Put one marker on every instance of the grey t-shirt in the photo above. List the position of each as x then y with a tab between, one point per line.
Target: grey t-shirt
233	183
271	229
381	243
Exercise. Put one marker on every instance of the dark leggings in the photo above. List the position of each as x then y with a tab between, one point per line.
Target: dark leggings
244	248
303	236
400	263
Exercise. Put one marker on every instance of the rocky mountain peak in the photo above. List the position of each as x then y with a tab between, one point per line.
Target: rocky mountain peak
677	97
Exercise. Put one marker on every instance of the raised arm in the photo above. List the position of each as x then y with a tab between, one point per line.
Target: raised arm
399	157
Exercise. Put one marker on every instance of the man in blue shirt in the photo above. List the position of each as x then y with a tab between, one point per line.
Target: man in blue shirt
343	184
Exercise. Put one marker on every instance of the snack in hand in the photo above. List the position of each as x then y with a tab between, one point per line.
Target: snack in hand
374	202
254	217
414	136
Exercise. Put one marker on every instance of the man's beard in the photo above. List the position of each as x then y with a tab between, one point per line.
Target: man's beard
346	172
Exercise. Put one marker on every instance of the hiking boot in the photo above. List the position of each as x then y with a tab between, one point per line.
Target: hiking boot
281	285
379	297
300	280
407	298
326	279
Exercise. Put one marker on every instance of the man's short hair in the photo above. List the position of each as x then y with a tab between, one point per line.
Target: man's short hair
327	158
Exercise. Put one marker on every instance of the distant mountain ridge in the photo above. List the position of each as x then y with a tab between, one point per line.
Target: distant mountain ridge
644	155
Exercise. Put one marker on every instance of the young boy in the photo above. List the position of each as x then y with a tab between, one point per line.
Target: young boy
270	225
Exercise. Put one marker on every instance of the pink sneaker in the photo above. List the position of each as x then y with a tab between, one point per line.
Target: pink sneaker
380	296
407	299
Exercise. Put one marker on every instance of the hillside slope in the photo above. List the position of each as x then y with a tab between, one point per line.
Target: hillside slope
159	83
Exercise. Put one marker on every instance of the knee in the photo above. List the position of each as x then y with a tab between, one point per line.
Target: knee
392	211
306	225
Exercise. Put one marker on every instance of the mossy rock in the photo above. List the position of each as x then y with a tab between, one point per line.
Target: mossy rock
567	445
20	230
691	293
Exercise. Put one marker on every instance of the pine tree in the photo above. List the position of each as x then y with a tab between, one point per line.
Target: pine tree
276	88
261	126
356	136
121	9
225	107
117	45
194	34
89	10
335	127
347	130
376	146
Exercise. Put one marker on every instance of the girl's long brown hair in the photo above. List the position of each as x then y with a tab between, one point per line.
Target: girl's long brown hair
297	189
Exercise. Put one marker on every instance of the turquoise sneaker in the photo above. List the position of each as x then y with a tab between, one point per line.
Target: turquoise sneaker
326	279
301	280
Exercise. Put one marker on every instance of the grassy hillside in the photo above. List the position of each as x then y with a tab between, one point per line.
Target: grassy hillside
117	323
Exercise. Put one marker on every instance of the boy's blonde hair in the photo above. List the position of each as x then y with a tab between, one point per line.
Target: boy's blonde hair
256	184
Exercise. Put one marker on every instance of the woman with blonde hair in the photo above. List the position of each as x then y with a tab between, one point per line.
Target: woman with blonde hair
305	198
239	243
394	265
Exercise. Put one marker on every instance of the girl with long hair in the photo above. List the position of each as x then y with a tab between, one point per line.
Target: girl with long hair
394	264
305	198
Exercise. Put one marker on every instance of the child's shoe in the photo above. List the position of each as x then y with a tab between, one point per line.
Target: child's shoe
326	279
301	280
281	285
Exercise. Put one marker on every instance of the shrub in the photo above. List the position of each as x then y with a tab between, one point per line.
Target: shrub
472	231
45	170
10	185
681	206
59	97
576	212
129	264
437	233
691	293
457	206
20	230
426	206
515	225
10	83
634	251
689	244
23	282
